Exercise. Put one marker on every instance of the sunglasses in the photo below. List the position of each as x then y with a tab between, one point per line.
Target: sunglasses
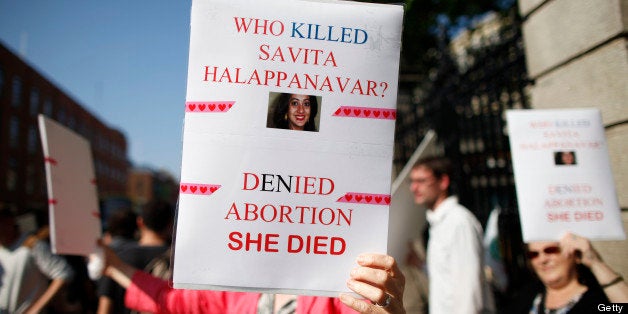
548	250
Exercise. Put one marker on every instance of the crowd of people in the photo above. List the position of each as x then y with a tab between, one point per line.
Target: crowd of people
570	276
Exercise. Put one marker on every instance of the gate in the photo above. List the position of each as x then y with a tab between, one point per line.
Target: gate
465	104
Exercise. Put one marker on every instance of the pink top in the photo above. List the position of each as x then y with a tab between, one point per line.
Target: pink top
151	294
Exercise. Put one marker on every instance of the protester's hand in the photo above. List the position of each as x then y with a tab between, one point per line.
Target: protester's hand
572	244
378	279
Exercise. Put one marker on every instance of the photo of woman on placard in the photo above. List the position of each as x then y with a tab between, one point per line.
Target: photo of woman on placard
293	112
565	158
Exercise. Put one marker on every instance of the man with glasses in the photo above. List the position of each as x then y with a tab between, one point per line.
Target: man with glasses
454	250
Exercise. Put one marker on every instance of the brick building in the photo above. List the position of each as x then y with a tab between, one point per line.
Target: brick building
145	185
25	93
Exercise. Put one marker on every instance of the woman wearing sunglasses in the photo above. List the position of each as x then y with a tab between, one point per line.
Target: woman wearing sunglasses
573	278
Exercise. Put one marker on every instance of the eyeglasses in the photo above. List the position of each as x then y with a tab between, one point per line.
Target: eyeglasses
422	181
548	250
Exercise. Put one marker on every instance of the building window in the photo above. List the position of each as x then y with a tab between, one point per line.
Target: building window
11	179
34	101
32	139
71	122
61	115
31	179
48	108
16	97
14	132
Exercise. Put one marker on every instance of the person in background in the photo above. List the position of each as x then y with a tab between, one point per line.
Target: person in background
31	275
455	253
155	228
121	228
376	278
572	278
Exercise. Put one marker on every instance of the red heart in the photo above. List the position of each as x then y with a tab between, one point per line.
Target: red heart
192	107
211	107
387	199
203	189
213	189
201	107
348	197
184	188
230	105
222	107
378	199
376	113
367	112
193	189
358	198
357	112
386	114
347	111
368	198
337	112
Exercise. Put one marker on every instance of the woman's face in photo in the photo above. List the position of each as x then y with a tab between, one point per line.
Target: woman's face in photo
567	158
298	111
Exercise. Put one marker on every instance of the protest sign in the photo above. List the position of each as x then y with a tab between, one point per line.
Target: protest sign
563	175
72	194
406	217
263	205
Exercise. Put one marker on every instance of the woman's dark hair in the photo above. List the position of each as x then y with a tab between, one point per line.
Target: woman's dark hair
281	109
122	222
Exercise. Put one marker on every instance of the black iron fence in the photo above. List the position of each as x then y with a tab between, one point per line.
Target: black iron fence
465	103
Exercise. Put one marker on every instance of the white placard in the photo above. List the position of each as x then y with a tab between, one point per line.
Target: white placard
407	219
563	176
265	208
72	194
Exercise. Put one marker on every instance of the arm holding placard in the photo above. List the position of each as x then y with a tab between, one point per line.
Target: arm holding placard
376	278
612	283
